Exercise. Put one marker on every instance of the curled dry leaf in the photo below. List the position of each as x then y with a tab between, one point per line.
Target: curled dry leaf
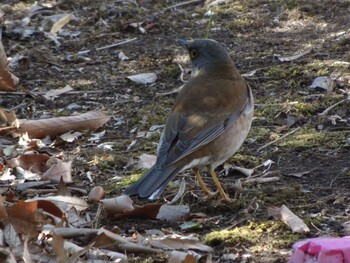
118	205
56	126
122	207
96	194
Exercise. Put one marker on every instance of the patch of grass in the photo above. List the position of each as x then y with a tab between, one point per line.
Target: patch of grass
312	138
260	235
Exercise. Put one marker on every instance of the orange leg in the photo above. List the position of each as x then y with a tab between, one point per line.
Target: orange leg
201	183
223	195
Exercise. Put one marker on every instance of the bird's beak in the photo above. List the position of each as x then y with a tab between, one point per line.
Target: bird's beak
182	42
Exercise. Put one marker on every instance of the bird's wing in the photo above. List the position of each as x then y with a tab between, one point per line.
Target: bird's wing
186	132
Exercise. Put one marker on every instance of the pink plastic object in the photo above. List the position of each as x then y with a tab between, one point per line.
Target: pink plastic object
322	250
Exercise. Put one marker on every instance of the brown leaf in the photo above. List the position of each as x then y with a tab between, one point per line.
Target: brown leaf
8	81
56	126
181	257
58	248
58	170
36	163
26	218
9	117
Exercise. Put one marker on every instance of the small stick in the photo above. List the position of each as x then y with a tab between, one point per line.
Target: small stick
170	92
332	106
109	46
19	93
182	4
284	136
260	180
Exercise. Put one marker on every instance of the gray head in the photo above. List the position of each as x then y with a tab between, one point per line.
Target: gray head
205	51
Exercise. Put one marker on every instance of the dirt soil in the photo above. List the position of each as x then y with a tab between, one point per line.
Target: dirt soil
311	163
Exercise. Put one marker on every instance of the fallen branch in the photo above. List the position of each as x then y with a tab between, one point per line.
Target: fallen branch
281	138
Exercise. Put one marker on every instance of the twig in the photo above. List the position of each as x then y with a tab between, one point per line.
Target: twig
170	92
19	93
284	136
260	180
332	106
181	4
109	46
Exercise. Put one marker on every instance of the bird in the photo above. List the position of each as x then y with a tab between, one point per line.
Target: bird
208	123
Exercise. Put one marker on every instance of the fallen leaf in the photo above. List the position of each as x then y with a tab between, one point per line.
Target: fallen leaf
289	218
56	126
181	257
54	93
295	56
144	78
173	213
146	161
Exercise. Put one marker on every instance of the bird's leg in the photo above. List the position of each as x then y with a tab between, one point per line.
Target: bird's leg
223	195
201	183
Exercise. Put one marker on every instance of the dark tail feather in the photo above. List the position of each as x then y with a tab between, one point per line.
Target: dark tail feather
153	180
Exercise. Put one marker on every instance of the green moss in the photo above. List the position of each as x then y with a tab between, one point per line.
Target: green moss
275	234
128	180
312	138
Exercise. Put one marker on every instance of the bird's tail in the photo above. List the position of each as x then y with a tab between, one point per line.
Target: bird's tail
152	183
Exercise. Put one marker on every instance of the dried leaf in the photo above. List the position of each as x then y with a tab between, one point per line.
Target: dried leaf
144	78
288	217
179	242
146	161
9	117
181	257
56	126
8	81
54	93
65	202
295	56
35	163
173	213
60	23
59	169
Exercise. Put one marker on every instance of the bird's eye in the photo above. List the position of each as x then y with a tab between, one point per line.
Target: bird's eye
193	53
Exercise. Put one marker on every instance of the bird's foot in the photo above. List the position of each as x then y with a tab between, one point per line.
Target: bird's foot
226	199
210	195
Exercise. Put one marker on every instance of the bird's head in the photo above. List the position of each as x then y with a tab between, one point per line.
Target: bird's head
204	52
